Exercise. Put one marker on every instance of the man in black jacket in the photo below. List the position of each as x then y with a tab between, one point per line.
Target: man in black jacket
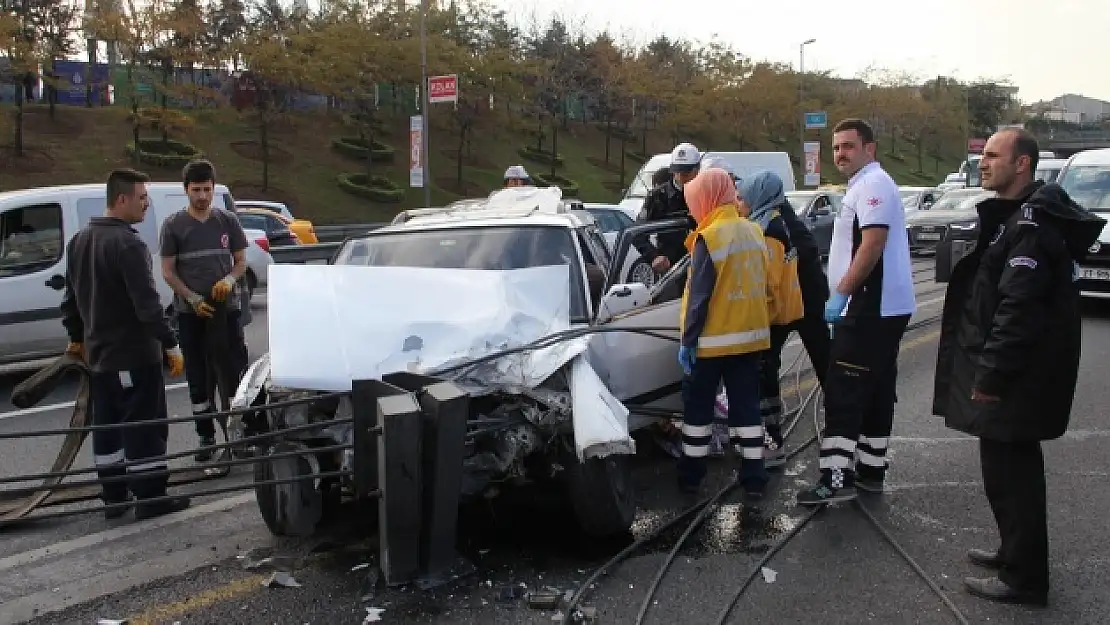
115	321
666	201
811	328
1008	356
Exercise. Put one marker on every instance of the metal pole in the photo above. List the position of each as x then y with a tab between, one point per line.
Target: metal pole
801	105
424	104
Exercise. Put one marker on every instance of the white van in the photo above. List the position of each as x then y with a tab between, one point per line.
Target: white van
743	164
35	226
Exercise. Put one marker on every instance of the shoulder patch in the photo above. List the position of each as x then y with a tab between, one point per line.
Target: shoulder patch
1027	211
1022	261
1026	222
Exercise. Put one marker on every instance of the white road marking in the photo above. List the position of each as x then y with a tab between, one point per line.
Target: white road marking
67	404
90	540
929	302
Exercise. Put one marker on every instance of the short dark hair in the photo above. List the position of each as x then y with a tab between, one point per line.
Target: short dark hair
661	175
1025	144
853	123
122	182
197	171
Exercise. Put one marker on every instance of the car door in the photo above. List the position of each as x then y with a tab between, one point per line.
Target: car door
640	369
32	279
820	217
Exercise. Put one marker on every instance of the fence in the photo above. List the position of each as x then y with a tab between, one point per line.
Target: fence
404	449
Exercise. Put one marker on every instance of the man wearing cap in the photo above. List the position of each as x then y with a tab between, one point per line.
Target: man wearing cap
517	176
667	201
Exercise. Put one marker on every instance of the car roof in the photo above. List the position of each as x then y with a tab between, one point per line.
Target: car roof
262	203
96	187
1091	157
258	211
515	206
1051	162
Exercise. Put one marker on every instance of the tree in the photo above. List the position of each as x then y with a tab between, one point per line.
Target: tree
17	45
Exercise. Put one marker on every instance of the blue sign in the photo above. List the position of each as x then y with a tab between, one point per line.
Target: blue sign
816	120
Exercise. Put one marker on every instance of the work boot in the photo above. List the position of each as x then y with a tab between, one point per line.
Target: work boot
870	479
205	455
984	558
995	589
834	486
111	514
154	509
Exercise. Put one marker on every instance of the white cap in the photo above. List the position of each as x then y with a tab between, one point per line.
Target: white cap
516	172
717	162
685	157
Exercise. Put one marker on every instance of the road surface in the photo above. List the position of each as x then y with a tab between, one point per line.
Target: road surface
837	570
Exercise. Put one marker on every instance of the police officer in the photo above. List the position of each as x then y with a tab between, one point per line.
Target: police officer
724	327
872	300
1016	298
203	260
667	201
115	321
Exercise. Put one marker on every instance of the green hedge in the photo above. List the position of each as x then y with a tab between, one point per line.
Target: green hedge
376	189
568	186
171	153
541	157
356	148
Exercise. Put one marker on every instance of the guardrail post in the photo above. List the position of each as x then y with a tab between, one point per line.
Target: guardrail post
364	413
445	407
400	483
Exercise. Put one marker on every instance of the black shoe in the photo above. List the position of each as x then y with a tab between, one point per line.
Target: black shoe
834	486
995	589
145	511
111	514
870	485
206	454
984	558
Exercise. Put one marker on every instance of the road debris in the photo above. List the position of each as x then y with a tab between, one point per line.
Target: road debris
544	600
373	615
111	621
769	575
280	578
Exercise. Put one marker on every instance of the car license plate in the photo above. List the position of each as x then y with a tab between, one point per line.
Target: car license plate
1094	273
928	236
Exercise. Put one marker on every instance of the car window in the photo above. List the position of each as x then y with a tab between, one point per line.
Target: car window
31	239
229	204
253	221
485	249
1088	185
600	247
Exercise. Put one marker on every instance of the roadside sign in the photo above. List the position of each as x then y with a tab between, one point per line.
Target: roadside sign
812	151
817	120
975	146
443	89
416	151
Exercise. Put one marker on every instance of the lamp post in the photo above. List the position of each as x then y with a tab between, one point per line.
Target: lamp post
801	104
424	104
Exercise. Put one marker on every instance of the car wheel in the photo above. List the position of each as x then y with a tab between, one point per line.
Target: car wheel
601	494
293	508
642	272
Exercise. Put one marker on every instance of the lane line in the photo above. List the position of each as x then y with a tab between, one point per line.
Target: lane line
67	404
219	594
794	342
90	540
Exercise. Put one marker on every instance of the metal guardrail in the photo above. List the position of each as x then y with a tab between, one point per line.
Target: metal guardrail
338	232
313	254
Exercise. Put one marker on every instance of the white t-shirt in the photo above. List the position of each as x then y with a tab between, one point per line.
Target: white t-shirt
873	198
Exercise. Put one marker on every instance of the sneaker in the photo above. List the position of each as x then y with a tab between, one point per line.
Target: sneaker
205	455
774	456
834	486
145	511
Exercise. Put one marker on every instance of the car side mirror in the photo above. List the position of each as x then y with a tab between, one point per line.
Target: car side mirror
622	298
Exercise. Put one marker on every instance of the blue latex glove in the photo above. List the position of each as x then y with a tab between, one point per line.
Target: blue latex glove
686	358
835	307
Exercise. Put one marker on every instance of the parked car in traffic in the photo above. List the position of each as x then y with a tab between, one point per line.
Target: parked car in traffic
1049	168
274	226
612	220
818	210
1086	178
302	228
918	198
953	212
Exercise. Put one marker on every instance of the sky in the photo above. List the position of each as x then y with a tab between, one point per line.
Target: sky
1045	47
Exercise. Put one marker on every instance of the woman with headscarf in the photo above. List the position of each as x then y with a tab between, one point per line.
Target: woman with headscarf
725	326
760	198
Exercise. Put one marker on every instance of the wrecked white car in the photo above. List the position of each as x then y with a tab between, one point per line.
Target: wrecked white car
441	288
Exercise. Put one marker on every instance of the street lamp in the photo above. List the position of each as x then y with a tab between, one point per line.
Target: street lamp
801	104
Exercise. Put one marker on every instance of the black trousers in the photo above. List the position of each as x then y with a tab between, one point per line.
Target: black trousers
770	391
1013	477
814	333
204	343
120	397
860	394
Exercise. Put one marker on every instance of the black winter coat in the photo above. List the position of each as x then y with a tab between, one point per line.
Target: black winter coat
811	275
1011	325
665	201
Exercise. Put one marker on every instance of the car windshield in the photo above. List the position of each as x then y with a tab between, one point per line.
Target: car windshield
1088	185
484	249
910	198
957	200
800	199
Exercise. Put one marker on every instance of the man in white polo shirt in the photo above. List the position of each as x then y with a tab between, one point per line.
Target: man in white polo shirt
870	305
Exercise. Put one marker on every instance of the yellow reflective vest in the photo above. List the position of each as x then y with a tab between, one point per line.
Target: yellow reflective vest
737	319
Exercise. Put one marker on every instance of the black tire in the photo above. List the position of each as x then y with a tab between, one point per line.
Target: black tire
643	269
291	509
602	494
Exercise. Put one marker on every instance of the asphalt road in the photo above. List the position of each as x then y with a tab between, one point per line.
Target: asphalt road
838	569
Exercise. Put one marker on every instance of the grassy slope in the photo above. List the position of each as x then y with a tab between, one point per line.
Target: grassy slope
82	145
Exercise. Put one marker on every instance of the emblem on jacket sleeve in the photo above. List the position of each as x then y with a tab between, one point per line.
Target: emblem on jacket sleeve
1095	247
1022	261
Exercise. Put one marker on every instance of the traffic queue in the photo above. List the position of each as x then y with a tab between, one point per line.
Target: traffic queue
755	276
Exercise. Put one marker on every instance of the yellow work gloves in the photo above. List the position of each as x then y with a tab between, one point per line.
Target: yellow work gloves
175	361
222	288
201	307
76	349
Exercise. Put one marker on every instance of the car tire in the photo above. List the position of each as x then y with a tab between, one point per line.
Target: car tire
641	272
602	494
293	508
